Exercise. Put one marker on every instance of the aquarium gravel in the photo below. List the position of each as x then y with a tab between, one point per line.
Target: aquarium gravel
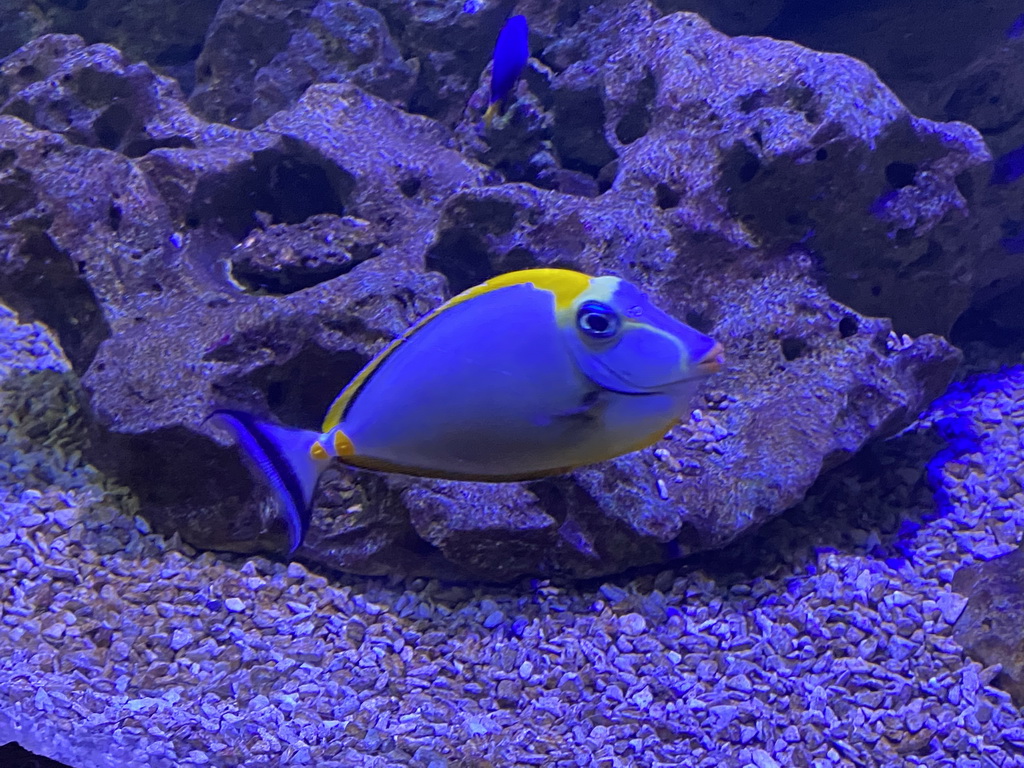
831	645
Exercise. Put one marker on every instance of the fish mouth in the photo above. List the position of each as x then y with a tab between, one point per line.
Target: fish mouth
712	362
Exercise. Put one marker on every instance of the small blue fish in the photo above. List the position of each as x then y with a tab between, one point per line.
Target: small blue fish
529	374
1016	29
510	55
1008	168
1012	245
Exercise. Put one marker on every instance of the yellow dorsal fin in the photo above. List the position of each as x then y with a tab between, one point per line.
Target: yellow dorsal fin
564	284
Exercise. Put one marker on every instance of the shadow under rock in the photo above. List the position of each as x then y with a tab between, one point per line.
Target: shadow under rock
14	756
870	505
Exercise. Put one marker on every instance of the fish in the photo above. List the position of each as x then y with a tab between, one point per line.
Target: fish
511	52
1016	28
1009	167
530	374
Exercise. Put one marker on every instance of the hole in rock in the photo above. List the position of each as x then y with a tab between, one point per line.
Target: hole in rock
700	320
637	121
904	236
749	169
410	186
177	53
114	217
112	125
579	131
793	347
280	186
76	318
462	257
666	196
300	391
900	175
848	326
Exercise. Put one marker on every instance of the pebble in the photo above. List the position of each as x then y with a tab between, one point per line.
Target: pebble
951	605
632	624
234	604
762	759
613	593
180	638
643	698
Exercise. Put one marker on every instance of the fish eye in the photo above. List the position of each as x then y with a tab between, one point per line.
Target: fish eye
597	320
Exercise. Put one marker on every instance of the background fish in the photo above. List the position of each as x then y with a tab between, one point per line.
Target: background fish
511	52
529	374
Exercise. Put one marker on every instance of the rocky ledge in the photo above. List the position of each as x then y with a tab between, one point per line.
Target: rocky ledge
781	199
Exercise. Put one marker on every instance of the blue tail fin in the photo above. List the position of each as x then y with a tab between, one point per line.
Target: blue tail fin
280	456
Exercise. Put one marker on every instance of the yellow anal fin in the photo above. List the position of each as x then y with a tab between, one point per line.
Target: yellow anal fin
343	446
492	112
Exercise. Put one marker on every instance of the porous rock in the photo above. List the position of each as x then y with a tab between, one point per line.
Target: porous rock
790	343
163	330
989	627
260	56
988	94
963	64
94	96
769	145
167	35
759	141
164	317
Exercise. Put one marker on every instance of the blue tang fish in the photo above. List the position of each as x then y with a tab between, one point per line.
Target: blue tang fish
529	374
510	55
1008	168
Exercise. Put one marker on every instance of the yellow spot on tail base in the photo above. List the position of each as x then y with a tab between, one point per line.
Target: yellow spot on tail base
492	112
318	452
565	284
343	444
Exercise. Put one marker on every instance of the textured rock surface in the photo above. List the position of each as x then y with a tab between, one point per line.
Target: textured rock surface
162	334
769	144
259	57
960	64
95	97
966	64
167	35
825	640
989	628
988	94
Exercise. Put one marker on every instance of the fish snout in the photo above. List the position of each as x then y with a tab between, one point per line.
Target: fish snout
713	360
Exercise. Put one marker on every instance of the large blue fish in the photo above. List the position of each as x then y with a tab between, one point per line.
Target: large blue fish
511	52
529	374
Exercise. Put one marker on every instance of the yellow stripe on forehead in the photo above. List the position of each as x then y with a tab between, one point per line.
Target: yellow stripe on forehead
565	284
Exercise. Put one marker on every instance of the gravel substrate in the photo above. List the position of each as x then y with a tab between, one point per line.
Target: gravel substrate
823	640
